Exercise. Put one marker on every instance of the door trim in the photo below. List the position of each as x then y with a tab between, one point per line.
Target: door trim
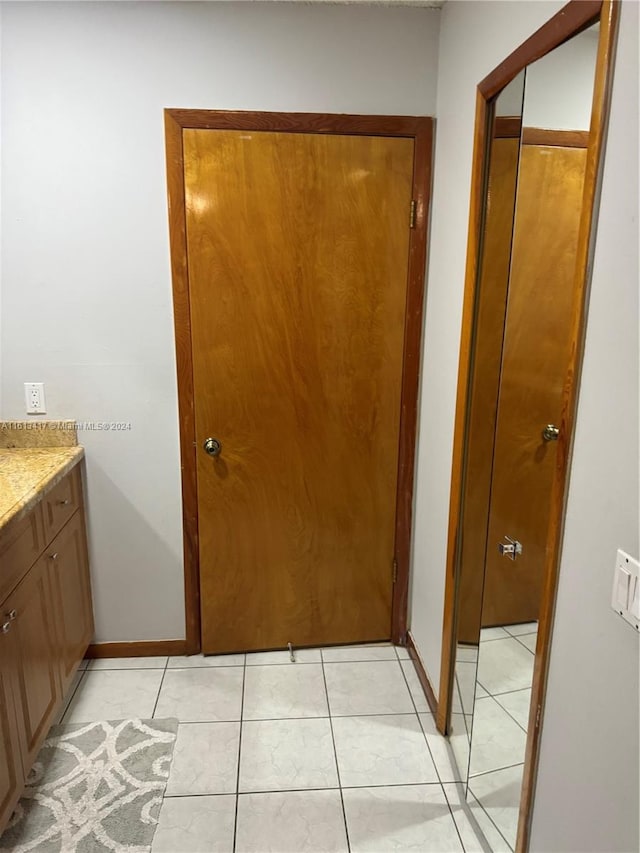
418	128
573	18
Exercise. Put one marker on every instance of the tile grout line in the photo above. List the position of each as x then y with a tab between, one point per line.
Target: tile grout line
323	717
506	711
315	788
282	719
502	692
230	666
491	820
335	754
155	704
240	665
235	820
525	646
509	714
495	770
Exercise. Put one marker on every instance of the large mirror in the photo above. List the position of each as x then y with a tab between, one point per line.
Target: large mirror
522	348
485	379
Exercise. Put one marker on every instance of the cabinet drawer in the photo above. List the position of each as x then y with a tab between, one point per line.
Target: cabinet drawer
21	543
60	503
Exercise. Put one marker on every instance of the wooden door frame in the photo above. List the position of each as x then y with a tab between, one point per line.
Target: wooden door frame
418	128
572	19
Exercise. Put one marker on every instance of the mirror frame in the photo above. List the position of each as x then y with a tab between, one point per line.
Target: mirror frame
572	19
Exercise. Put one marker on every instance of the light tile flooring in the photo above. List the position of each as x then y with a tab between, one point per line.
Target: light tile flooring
337	752
500	720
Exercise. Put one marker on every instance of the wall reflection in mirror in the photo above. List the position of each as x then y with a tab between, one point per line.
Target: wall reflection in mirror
520	356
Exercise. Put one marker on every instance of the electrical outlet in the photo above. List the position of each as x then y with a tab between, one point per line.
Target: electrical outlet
34	398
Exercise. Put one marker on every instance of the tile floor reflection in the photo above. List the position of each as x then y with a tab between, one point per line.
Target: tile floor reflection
500	722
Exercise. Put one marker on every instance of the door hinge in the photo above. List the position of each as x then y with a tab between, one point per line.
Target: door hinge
412	214
395	570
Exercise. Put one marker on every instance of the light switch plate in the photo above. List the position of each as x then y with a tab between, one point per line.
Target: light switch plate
625	597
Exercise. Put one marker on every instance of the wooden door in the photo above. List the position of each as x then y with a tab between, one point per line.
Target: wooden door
536	356
297	251
37	683
11	772
71	589
485	381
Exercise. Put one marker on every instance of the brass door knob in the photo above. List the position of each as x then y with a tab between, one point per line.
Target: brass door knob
212	446
550	433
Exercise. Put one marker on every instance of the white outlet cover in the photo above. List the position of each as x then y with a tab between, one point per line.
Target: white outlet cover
34	398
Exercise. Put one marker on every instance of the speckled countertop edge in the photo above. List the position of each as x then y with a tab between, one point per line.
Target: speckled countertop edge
63	459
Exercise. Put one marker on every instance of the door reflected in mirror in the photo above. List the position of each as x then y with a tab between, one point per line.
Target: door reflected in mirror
521	352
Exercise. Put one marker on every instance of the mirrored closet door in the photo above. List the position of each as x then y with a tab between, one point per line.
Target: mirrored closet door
521	354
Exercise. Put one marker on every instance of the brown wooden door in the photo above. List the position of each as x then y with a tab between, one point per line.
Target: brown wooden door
71	589
11	772
297	250
534	366
485	381
37	683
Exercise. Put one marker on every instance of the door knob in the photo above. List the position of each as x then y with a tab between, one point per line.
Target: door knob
212	446
550	433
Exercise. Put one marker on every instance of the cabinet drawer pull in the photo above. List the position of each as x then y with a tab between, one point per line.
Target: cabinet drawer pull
6	627
11	615
53	556
63	502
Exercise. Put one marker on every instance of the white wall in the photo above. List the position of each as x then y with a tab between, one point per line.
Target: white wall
475	36
588	794
86	281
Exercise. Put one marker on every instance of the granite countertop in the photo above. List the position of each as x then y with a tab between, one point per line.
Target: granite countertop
29	472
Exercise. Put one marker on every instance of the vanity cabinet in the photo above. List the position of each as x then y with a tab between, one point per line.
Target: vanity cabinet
46	624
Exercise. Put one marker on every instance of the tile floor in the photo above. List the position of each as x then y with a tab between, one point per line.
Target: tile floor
336	752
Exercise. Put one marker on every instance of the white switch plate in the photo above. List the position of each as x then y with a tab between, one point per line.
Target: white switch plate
34	398
625	598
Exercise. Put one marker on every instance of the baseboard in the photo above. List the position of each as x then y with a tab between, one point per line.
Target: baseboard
137	649
422	674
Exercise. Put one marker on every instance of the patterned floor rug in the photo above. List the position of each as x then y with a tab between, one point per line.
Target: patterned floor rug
95	787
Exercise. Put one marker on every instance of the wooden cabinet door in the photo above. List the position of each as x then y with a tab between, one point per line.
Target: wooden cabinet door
11	771
37	690
68	567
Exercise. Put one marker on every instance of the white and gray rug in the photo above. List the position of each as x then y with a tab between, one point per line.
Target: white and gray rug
95	787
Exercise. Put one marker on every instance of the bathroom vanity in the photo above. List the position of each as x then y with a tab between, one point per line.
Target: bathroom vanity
46	615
